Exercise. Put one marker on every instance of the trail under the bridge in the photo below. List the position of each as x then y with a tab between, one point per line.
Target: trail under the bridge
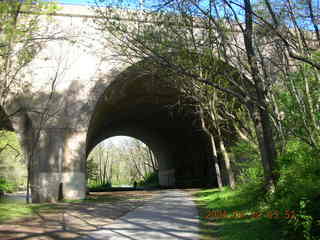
171	215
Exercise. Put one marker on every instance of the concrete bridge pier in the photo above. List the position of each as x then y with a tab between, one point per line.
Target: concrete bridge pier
167	178
56	157
60	166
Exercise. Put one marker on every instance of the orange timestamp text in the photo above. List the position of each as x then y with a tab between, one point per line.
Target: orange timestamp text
276	214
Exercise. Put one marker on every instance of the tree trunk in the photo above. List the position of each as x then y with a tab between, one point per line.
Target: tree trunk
230	176
215	160
28	186
100	170
226	160
259	111
267	148
29	169
213	150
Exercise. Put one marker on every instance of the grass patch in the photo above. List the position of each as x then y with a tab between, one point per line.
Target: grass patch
230	215
12	211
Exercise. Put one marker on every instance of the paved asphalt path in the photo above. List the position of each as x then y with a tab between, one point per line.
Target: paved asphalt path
170	215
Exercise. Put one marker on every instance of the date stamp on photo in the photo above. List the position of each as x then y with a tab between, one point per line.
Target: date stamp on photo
276	214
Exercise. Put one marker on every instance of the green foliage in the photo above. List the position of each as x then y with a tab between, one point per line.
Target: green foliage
304	221
249	169
238	223
120	162
298	189
243	149
13	170
6	186
299	174
295	92
19	28
92	170
298	101
151	179
20	41
95	187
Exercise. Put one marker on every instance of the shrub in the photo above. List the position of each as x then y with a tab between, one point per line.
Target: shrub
151	179
100	187
6	186
298	189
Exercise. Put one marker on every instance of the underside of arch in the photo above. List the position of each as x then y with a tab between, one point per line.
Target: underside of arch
145	105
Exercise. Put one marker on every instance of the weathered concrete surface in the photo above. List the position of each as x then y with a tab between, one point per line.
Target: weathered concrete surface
79	94
170	216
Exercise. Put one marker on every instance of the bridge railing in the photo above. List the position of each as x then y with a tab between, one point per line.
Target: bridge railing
129	4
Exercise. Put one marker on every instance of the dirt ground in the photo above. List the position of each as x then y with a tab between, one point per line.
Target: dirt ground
76	219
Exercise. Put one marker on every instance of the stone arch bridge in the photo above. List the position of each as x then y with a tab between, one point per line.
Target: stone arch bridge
80	95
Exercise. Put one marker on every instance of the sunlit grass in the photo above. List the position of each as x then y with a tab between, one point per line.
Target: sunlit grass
234	220
12	211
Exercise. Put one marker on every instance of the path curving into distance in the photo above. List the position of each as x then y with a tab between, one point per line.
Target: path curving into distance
171	215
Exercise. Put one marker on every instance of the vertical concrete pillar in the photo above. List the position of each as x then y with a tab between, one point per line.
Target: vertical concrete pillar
167	178
59	166
74	171
47	163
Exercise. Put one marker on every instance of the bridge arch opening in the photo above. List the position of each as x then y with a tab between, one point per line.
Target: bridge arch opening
143	104
120	162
